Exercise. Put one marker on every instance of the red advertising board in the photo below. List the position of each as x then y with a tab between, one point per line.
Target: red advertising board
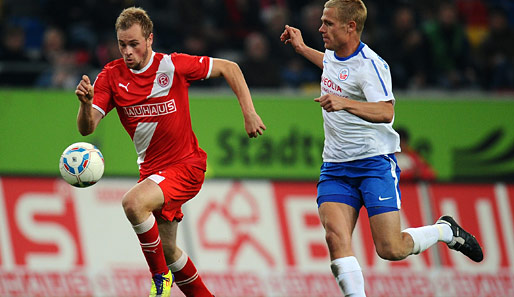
248	238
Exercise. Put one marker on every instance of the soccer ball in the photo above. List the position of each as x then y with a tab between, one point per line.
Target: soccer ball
81	164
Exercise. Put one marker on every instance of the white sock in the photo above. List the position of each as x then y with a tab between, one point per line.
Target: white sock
144	226
180	263
348	274
445	233
426	236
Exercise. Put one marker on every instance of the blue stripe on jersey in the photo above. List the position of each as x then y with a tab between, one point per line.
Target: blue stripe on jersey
379	77
378	74
361	45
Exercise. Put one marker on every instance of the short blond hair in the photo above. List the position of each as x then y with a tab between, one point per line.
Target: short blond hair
350	10
134	15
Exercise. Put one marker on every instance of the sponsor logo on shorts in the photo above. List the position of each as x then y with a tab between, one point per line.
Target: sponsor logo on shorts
384	198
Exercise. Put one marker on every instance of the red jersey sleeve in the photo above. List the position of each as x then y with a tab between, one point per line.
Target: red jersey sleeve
192	67
102	99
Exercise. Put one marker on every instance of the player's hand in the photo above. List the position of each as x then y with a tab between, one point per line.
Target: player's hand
293	36
254	125
331	102
84	90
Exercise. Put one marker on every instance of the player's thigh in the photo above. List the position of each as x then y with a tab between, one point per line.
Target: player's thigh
146	195
386	229
338	206
338	219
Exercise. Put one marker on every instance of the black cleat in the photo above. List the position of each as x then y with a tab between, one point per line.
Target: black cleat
462	241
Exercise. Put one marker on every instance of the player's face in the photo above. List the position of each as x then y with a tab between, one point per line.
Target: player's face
335	34
134	47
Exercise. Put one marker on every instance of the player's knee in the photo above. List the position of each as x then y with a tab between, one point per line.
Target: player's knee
389	251
335	239
131	205
331	238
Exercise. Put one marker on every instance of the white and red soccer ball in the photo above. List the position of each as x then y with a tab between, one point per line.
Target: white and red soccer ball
81	164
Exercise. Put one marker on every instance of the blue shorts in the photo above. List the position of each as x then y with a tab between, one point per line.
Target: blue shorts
371	182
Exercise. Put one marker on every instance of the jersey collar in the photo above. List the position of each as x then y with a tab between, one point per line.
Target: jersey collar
146	67
361	45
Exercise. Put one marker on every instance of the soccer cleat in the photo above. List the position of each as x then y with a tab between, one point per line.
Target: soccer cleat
161	284
462	241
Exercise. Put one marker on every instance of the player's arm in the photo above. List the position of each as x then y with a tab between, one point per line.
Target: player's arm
294	37
235	79
88	117
374	112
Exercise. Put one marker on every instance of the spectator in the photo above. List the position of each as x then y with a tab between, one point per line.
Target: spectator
438	44
505	5
258	67
452	66
374	25
12	48
63	70
236	19
414	167
404	47
496	54
28	15
14	59
296	7
474	16
275	18
106	51
65	73
54	44
310	24
198	44
296	74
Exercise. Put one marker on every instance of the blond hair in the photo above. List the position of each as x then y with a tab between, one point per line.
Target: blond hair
350	10
134	15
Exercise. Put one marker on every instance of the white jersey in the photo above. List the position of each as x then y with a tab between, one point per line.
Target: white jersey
362	76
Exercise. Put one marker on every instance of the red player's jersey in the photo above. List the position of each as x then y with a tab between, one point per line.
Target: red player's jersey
153	106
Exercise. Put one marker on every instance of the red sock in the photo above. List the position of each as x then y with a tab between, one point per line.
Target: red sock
148	234
187	278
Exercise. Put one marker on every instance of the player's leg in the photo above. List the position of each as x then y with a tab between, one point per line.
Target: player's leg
338	206
138	204
339	221
393	244
186	275
382	198
180	183
390	242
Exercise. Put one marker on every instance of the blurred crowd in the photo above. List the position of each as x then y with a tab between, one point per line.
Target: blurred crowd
429	44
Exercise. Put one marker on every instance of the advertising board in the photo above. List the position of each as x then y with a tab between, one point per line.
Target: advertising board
247	238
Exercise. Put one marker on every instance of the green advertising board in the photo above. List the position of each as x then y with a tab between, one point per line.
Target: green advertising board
462	138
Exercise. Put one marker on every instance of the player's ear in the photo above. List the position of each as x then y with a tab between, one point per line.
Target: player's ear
352	26
150	39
